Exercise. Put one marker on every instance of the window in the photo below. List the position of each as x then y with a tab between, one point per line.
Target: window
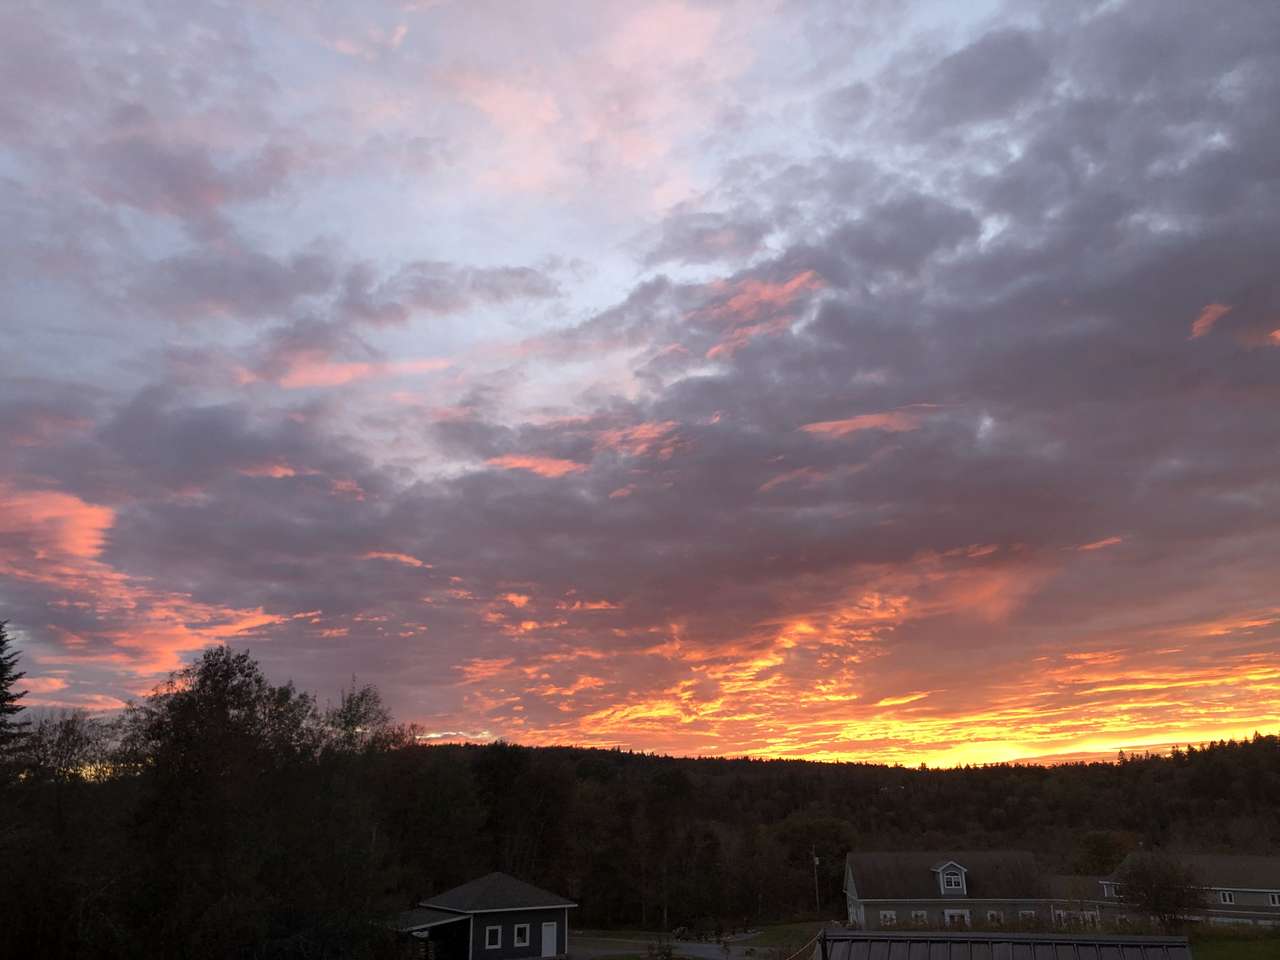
1226	896
1027	916
920	916
521	938
951	880
1275	899
956	918
492	938
888	918
995	917
1108	889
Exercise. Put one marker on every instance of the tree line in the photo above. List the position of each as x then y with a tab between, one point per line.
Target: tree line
227	816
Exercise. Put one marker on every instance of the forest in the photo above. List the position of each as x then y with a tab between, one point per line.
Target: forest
227	816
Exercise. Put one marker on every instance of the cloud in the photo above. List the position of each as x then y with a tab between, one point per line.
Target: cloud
893	421
844	482
542	466
1210	315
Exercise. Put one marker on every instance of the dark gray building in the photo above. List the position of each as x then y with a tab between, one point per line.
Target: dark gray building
496	917
988	889
1236	889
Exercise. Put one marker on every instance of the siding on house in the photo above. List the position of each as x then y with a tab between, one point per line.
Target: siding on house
1251	881
507	921
456	924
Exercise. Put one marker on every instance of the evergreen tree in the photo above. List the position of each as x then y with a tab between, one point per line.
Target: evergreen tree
10	728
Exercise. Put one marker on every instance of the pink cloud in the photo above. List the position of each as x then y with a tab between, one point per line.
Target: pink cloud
543	466
893	421
1101	544
308	370
406	559
642	439
1210	315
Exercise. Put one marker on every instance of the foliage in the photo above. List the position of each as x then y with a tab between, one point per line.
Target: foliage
11	729
1161	886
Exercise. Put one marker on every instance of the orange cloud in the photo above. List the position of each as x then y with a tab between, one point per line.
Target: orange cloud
43	684
406	559
1100	544
748	298
542	466
54	523
54	540
893	421
275	470
309	370
1210	315
739	337
641	439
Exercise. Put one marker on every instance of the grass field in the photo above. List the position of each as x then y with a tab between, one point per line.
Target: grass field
1235	948
784	935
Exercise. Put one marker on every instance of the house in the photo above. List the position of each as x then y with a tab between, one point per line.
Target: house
1240	890
496	917
937	890
855	945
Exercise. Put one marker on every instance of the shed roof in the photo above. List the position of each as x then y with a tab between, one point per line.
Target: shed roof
421	918
1226	870
496	891
909	875
855	945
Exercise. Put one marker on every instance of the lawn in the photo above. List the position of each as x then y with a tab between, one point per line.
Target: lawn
783	935
1235	948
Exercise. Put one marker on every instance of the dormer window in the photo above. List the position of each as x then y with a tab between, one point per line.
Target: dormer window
951	880
1226	896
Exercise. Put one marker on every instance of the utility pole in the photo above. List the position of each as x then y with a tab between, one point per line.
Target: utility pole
817	899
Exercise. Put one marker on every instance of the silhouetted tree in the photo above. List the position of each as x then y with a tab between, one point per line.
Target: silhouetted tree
11	729
1162	887
361	721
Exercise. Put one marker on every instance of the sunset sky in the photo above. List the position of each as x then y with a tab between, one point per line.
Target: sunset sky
830	379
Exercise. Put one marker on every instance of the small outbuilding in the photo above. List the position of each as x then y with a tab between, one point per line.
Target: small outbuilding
496	917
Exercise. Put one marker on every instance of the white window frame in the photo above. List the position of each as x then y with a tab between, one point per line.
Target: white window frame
950	875
995	917
1227	896
488	944
516	939
1025	915
965	918
919	916
888	918
1275	899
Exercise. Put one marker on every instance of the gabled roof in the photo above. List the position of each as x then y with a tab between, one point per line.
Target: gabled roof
495	891
943	864
997	946
1226	870
1007	874
422	918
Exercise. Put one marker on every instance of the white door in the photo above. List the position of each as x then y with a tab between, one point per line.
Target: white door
549	939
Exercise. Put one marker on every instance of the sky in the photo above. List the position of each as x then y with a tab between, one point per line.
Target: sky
845	380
